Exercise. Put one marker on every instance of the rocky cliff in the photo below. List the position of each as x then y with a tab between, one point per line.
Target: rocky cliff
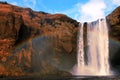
114	34
36	43
43	44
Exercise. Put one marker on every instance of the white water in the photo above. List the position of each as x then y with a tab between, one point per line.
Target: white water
97	50
80	55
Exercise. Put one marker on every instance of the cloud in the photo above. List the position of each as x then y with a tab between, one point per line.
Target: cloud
116	2
92	10
30	3
14	3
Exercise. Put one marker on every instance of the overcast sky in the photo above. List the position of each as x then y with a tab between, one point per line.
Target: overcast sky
81	10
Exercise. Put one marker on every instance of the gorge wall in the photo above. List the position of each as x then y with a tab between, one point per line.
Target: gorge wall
39	43
114	33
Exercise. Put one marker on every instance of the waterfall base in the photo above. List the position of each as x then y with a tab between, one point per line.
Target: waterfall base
89	71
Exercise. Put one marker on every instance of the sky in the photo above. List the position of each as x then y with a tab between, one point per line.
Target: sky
80	10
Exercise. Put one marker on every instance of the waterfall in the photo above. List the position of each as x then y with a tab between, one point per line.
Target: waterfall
80	55
97	50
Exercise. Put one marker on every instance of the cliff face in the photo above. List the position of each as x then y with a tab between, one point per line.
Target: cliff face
36	42
114	33
43	44
114	22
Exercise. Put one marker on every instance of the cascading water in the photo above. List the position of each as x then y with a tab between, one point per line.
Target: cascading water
97	50
80	55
